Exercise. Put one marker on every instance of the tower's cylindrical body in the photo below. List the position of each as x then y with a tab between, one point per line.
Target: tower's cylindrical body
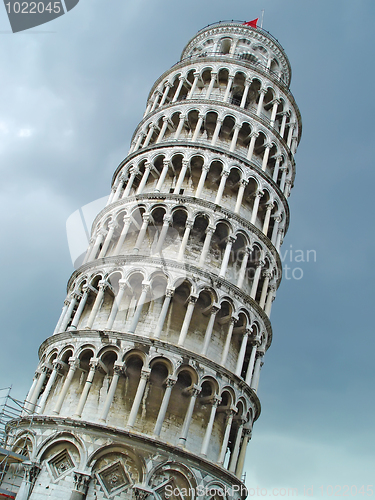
149	383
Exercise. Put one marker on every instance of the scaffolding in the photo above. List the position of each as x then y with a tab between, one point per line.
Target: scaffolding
10	410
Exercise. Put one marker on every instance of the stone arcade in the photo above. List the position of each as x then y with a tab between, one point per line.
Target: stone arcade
148	387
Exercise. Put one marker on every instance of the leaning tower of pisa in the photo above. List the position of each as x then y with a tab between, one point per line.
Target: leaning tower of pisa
147	389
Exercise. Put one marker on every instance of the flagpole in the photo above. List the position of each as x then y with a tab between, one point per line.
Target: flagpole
261	22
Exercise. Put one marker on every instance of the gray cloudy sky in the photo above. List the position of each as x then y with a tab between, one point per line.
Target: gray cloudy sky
69	102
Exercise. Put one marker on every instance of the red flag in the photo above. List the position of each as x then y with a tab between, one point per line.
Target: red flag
252	23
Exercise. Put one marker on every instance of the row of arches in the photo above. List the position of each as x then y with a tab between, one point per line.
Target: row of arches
217	129
232	86
186	235
242	44
62	463
153	395
199	319
207	179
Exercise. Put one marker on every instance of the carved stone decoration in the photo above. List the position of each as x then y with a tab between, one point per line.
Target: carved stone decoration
81	482
173	481
113	479
61	464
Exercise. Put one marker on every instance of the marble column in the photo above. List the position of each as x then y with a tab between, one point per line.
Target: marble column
193	87
168	85
236	448
266	155
124	232
97	304
111	229
220	191
181	177
206	245
123	284
254	286
241	191
180	125
163	314
133	174
267	217
229	86
188	416
255	378
228	248
207	337
242	454
253	138
117	371
211	85
245	93
177	93
262	93
162	177
57	366
219	123
187	319
198	127
80	308
31	471
81	486
163	233
254	212
74	364
228	341
162	130
145	375
207	435
233	143
164	405
144	179
241	355
224	445
188	227
140	304
205	170
242	273
142	232
94	363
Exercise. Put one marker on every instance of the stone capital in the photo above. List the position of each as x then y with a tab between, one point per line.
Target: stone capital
193	299
170	382
145	373
167	219
73	363
81	482
118	368
103	285
189	223
169	292
216	400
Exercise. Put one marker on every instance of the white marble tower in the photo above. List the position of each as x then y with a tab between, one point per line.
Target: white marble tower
148	387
